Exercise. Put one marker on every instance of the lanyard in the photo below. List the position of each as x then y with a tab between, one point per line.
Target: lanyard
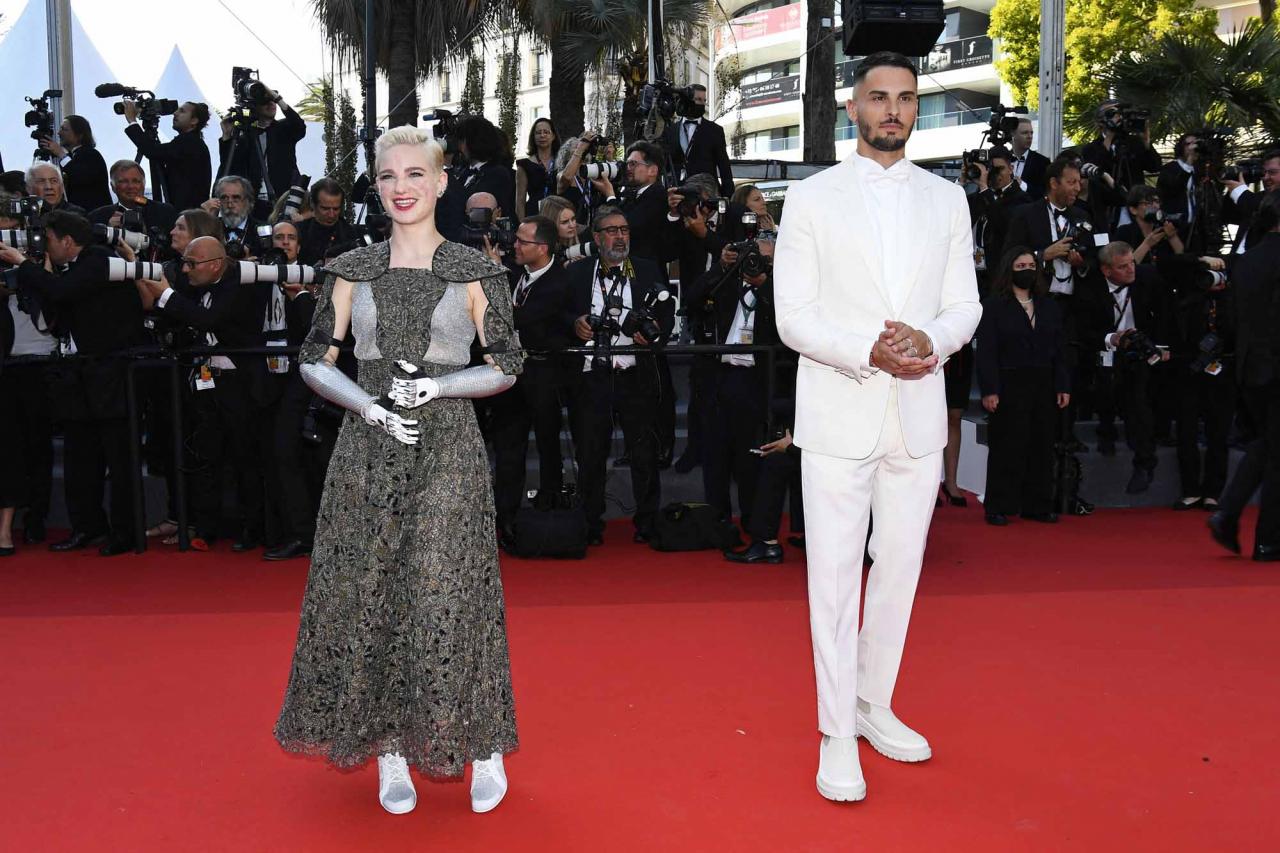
1121	308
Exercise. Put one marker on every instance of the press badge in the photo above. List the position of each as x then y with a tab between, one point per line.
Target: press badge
277	363
746	336
1106	358
1213	368
204	379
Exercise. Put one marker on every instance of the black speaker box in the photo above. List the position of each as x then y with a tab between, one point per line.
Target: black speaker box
910	27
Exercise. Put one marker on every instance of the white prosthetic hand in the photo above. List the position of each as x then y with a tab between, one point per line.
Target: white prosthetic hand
411	393
403	431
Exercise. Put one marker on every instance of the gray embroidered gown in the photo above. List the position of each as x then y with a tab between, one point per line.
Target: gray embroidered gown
402	644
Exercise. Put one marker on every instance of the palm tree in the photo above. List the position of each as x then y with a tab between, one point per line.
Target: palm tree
1191	82
414	38
593	33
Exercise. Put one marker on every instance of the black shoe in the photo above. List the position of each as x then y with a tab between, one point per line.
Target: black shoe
1225	530
1082	507
1266	553
596	538
245	543
1139	482
33	531
623	461
796	542
997	519
115	547
1107	446
1182	504
289	550
78	540
664	458
686	463
954	500
1042	517
640	537
7	550
756	552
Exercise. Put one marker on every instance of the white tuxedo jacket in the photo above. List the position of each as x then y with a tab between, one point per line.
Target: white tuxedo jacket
832	303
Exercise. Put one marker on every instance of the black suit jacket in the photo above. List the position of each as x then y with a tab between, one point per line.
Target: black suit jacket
1239	213
1029	226
314	239
1172	186
647	216
498	179
543	318
188	170
649	278
85	178
998	210
1256	278
707	154
1007	341
249	236
1096	310
719	297
282	157
1033	171
694	252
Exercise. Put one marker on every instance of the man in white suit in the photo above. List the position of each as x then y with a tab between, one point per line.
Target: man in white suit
874	287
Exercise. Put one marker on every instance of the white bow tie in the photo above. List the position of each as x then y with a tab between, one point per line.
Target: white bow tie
889	176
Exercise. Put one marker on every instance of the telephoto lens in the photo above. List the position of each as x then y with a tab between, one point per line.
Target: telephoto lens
295	197
251	273
596	171
581	250
118	269
110	236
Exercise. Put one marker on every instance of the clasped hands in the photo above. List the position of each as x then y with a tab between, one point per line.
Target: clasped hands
407	394
903	351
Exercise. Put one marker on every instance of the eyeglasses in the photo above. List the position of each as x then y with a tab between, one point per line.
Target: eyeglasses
189	264
615	231
530	242
230	198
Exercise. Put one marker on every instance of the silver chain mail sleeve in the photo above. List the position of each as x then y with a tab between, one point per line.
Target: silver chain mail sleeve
335	386
483	381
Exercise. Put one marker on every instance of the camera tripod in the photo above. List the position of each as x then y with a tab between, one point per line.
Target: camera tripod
159	182
244	135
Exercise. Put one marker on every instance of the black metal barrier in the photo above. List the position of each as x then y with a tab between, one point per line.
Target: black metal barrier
177	360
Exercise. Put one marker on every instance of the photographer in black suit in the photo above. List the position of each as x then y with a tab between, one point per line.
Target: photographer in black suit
1241	202
232	203
185	161
98	321
696	144
1126	155
617	384
278	142
84	172
326	226
992	207
733	304
543	310
233	393
1123	317
129	183
643	201
1028	166
488	161
1177	181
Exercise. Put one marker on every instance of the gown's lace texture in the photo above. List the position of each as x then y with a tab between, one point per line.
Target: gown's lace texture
402	645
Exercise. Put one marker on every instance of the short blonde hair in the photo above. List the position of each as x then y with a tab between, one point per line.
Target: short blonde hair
407	134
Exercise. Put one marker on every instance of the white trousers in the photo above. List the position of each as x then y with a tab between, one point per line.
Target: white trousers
839	496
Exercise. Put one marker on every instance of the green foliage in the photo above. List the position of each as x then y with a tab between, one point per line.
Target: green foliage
347	147
1097	32
508	90
472	102
1192	81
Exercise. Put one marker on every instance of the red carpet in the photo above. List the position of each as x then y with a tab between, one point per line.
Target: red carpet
1107	684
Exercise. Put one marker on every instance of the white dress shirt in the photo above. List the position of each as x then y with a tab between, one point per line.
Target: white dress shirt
1191	189
1235	198
620	362
526	282
27	339
688	127
1064	278
887	190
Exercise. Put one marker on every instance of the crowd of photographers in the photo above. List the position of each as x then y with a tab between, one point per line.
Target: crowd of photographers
101	269
1111	293
1105	295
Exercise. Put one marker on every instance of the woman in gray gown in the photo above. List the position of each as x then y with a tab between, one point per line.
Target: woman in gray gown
402	646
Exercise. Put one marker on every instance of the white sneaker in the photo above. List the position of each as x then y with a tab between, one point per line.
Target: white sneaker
395	788
839	773
889	735
488	784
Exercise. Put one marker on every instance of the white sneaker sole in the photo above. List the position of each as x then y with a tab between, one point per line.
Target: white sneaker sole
910	755
400	809
488	805
842	793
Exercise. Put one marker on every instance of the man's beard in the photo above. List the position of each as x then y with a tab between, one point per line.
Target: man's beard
882	143
229	219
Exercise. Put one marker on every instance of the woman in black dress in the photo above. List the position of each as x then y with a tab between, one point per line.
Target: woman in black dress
1023	376
536	174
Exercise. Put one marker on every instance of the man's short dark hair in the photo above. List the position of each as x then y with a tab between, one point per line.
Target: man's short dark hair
1272	154
882	59
1141	194
328	186
544	231
1058	167
64	223
999	152
698	87
652	153
602	213
80	127
706	183
200	110
1180	145
485	142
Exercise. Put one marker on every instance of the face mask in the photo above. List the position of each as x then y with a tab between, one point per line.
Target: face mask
696	111
1026	279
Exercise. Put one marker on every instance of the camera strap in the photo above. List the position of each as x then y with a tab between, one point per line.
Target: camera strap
1121	308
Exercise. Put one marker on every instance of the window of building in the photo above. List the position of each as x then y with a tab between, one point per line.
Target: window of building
771	70
538	74
845	128
775	139
446	86
761	6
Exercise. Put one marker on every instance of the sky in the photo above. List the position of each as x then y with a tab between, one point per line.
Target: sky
135	38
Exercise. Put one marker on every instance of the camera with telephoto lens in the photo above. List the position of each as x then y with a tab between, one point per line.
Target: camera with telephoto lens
692	199
40	118
643	319
1125	120
582	249
1138	346
664	98
603	328
295	197
238	251
1003	124
1248	171
608	170
1159	217
248	89
751	261
30	240
150	108
480	223
108	236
